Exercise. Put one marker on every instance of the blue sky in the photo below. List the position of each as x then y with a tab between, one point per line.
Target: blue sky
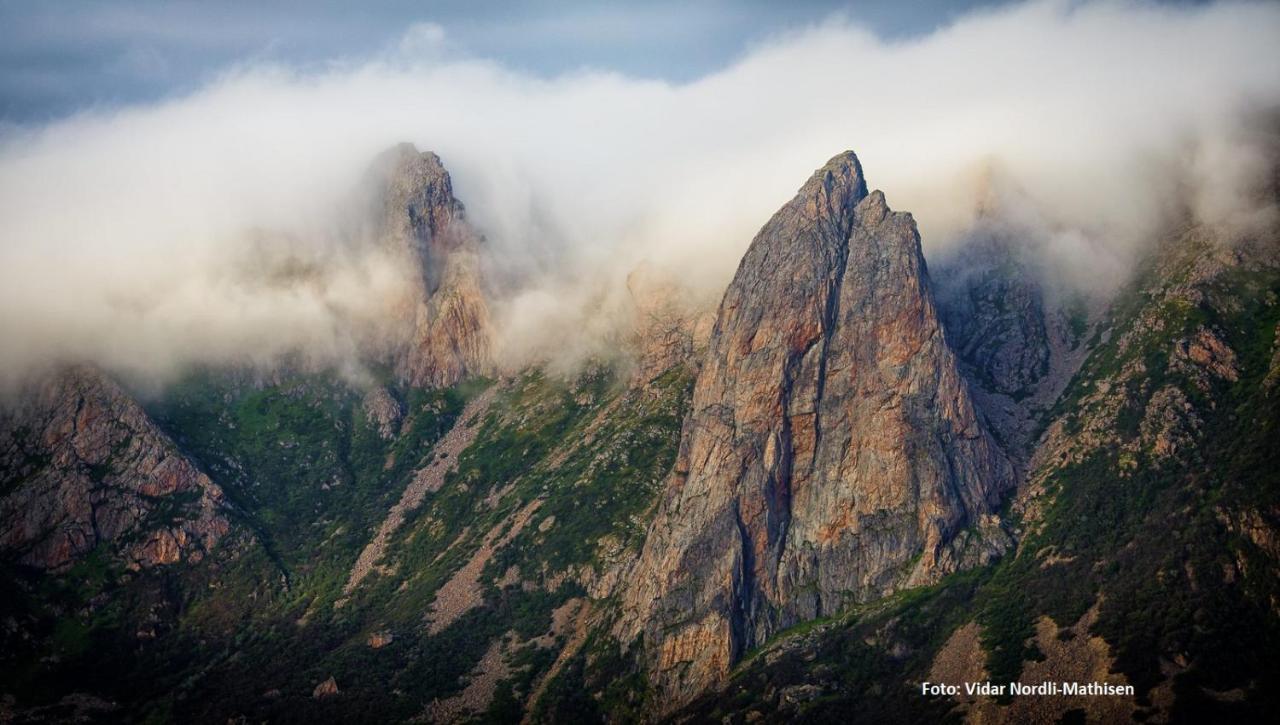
60	57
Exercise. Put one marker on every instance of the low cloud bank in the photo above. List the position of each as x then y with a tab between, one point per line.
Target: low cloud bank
218	227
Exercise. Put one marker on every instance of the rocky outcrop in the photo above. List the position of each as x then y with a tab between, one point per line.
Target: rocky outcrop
832	453
1170	424
326	689
426	227
83	465
383	412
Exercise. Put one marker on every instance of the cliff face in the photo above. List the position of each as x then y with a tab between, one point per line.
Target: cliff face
83	465
832	453
423	224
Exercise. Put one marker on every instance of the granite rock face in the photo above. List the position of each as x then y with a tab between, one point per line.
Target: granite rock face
423	224
832	453
83	465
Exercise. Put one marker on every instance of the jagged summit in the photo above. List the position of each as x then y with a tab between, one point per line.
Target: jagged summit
846	165
841	176
830	194
422	221
832	453
419	215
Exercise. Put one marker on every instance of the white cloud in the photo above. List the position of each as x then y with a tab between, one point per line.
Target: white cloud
120	232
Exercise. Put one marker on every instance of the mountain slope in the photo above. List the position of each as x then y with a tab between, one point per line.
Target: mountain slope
1147	550
518	532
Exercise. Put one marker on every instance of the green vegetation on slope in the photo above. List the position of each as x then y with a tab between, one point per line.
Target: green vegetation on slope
252	629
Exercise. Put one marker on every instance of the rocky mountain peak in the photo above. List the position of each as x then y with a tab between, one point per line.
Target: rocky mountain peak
832	453
836	187
423	222
420	215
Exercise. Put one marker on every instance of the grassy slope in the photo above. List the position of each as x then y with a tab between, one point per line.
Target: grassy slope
252	630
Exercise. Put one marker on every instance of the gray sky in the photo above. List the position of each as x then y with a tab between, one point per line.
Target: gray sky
60	57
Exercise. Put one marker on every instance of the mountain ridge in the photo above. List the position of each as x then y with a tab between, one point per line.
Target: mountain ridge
800	508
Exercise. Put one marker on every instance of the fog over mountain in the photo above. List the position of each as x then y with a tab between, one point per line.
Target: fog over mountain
227	225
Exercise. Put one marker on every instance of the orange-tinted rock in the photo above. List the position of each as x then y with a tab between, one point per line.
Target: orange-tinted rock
832	453
87	466
328	688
